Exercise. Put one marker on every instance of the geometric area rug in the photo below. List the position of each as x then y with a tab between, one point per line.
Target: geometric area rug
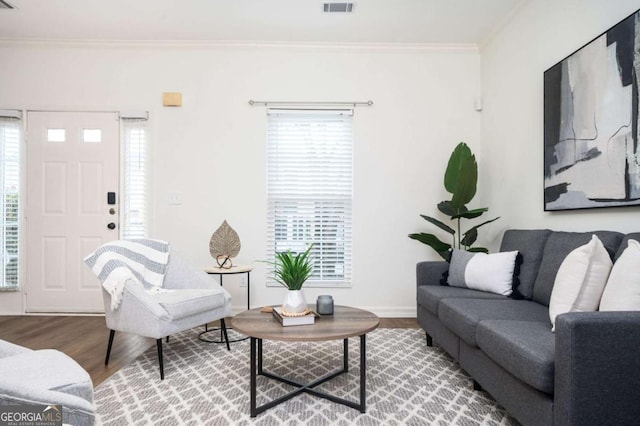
408	383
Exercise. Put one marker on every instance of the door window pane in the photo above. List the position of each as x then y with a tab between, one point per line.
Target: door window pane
56	135
92	135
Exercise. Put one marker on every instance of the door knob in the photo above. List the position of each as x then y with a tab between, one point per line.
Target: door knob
111	225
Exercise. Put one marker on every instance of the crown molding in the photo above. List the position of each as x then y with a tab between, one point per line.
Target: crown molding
232	44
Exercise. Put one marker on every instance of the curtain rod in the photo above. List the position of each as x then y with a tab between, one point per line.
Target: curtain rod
294	103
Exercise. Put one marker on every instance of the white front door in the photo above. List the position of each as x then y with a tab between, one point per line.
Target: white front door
72	165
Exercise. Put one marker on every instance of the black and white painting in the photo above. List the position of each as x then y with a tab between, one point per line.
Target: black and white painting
591	131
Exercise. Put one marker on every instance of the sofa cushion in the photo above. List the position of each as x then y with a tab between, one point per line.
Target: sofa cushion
558	246
622	292
184	303
625	243
494	273
530	243
580	280
526	349
463	315
429	296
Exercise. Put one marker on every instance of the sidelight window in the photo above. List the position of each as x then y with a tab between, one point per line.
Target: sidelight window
10	137
134	158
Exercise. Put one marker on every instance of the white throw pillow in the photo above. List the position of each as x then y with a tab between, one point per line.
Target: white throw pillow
622	292
484	272
580	280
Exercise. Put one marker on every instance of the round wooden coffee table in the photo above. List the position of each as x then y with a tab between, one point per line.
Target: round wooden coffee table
345	322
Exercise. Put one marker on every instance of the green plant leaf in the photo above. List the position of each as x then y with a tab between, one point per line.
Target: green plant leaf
466	183
445	207
456	162
434	242
475	228
478	250
439	224
472	214
470	237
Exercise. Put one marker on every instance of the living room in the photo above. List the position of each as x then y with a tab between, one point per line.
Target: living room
208	156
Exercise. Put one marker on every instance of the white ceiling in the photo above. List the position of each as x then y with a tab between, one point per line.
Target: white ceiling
289	21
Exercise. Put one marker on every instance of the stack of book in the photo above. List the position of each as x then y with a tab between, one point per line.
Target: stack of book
286	321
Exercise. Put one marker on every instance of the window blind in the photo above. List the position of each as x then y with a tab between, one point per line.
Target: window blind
134	207
310	185
10	137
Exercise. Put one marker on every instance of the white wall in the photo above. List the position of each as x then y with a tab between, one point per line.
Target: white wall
212	150
513	63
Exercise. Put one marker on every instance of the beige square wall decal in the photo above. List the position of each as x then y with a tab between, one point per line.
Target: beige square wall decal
172	99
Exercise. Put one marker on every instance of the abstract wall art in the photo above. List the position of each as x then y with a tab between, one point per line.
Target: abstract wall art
591	128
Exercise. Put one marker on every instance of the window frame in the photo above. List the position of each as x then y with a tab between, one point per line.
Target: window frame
11	119
328	200
130	147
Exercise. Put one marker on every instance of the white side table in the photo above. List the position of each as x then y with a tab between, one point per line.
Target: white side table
237	269
221	272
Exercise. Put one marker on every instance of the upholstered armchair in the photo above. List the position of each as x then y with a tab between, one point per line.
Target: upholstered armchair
46	377
187	298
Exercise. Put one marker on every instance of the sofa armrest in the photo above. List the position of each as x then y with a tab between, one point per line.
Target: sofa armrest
430	272
10	349
75	410
597	368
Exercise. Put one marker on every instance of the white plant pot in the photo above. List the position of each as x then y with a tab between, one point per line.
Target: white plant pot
294	302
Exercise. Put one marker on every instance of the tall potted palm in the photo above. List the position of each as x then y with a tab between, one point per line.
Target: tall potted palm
460	180
292	271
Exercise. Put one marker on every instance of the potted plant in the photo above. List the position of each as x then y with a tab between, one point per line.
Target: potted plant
460	180
292	270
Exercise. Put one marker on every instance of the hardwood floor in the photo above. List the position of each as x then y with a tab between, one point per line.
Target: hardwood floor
84	338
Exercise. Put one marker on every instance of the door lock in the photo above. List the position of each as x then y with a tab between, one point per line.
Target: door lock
111	225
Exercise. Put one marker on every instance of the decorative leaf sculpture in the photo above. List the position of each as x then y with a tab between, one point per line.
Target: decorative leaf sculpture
224	244
460	180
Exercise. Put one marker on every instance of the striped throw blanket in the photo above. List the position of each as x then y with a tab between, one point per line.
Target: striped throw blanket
142	260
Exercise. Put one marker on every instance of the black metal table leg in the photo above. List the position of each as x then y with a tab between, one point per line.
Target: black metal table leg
345	356
248	291
363	374
252	380
256	369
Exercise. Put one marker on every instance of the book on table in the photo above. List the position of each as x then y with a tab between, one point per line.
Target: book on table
287	321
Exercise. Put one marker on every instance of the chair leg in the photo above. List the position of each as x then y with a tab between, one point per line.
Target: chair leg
159	345
167	339
429	341
223	326
109	345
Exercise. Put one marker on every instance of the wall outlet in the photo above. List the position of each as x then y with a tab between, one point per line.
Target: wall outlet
243	281
174	199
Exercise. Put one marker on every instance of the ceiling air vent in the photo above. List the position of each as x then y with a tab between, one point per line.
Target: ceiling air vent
336	7
5	5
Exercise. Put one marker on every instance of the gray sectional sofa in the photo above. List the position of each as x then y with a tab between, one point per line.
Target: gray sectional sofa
586	373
